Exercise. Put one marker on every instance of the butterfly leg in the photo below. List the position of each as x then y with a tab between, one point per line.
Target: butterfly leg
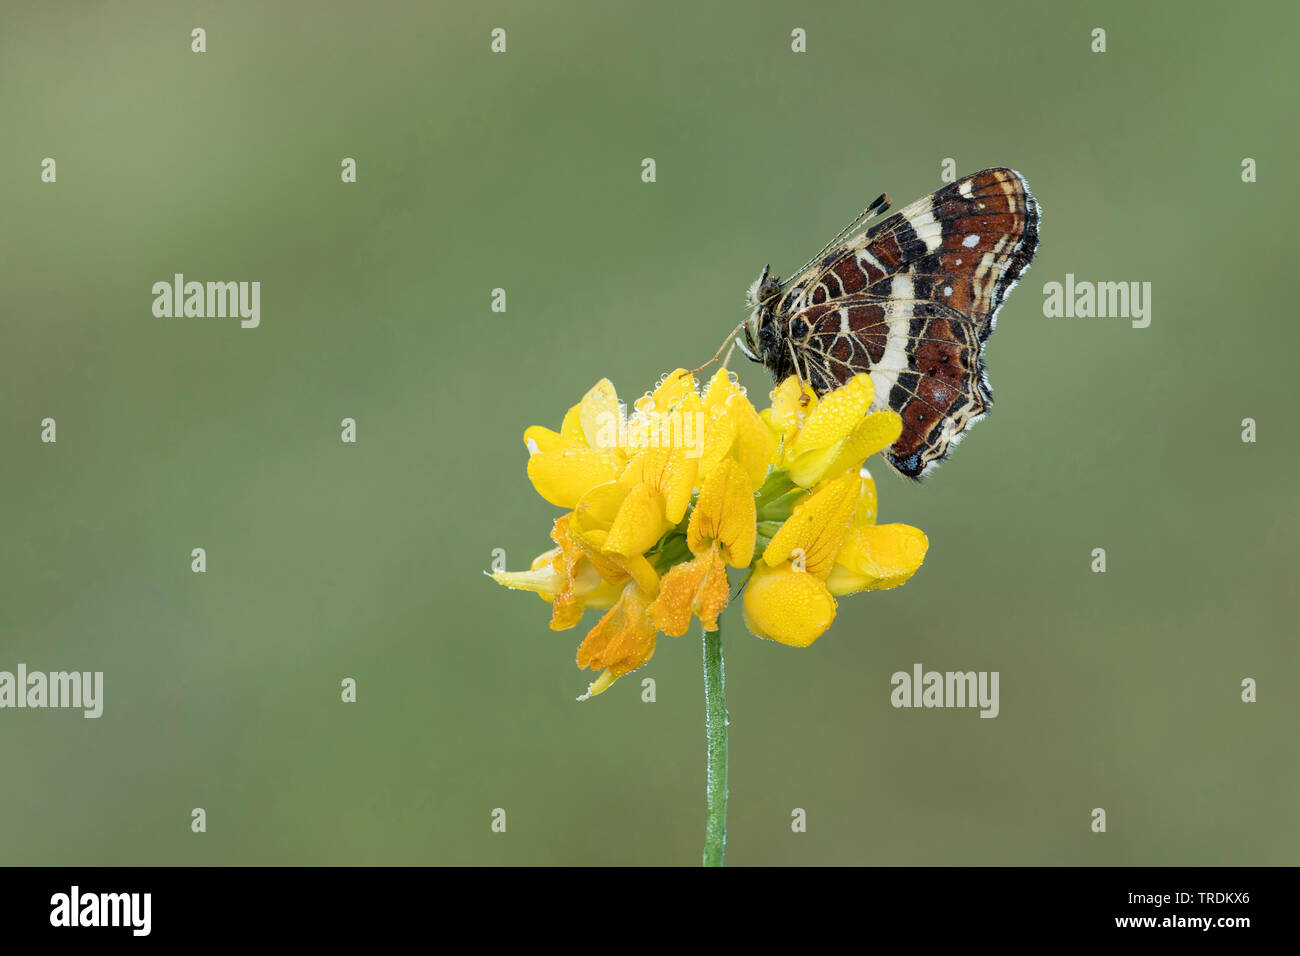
794	360
726	361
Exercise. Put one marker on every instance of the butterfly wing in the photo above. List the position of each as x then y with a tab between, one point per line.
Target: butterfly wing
911	301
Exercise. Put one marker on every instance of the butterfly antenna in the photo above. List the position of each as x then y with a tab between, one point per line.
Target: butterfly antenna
878	206
721	348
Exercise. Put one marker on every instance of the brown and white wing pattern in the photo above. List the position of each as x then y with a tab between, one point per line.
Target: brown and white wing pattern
911	302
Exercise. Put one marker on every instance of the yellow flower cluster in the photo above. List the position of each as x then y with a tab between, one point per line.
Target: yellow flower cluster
661	502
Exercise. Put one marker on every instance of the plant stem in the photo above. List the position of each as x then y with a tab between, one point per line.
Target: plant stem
715	728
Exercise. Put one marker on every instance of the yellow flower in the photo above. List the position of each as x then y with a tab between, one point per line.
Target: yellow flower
734	429
622	641
662	502
811	536
724	514
830	546
823	438
698	586
792	607
722	531
877	557
565	465
570	577
723	524
597	464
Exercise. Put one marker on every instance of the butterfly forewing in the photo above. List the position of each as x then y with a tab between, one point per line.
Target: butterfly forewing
910	301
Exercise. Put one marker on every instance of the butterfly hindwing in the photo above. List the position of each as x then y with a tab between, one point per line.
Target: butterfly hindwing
911	301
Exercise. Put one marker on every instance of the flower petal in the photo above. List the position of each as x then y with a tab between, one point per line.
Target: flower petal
816	527
539	438
674	386
575	562
877	432
565	578
714	592
787	409
562	477
598	508
688	426
585	588
571	428
592	544
789	606
599	685
600	415
642	572
836	415
877	557
725	513
720	388
698	587
639	522
623	639
755	447
545	581
868	500
719	437
670	472
809	468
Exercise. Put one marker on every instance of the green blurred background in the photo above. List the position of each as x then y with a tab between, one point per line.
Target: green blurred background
475	171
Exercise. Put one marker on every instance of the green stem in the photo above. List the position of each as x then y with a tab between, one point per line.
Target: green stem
715	728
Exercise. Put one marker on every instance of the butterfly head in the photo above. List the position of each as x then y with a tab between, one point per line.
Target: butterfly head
762	298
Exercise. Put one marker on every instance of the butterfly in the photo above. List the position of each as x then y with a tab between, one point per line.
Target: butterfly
910	301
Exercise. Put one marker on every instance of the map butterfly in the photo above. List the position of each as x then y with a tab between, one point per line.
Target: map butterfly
910	301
